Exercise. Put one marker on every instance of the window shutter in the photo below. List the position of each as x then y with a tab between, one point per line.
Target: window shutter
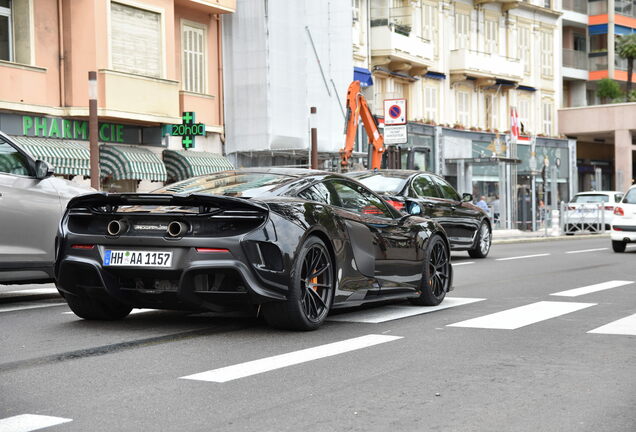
194	64
136	40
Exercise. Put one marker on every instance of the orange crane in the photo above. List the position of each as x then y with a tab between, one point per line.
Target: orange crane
357	109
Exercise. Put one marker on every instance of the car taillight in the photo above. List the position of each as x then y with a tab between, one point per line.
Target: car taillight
609	208
399	205
618	211
371	210
571	208
617	228
82	246
211	250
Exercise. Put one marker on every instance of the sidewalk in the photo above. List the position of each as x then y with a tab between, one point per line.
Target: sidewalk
500	236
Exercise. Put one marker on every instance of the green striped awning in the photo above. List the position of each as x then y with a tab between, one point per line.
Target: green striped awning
184	164
130	163
66	157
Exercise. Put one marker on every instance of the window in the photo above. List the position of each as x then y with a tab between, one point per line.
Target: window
547	117
491	36
12	161
524	49
193	43
524	115
356	199
424	187
6	33
431	100
319	193
492	112
136	42
448	192
463	108
429	24
462	31
546	53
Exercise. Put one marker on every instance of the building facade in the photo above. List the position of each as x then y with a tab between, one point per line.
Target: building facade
462	66
155	59
590	31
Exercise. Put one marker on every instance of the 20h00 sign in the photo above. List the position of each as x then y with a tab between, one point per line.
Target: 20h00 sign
137	258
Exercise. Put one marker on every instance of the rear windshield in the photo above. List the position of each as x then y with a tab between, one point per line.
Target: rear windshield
630	197
382	184
235	184
590	198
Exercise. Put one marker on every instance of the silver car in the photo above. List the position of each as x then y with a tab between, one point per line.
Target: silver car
32	202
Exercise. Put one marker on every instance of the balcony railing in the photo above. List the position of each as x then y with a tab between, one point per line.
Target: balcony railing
480	64
579	6
575	59
597	7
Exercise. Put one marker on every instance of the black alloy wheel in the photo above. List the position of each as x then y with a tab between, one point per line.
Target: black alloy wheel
437	273
482	243
310	293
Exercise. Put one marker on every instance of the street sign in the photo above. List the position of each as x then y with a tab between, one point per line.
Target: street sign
395	134
394	112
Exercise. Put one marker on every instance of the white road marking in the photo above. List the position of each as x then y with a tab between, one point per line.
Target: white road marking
592	288
267	364
132	312
25	306
586	250
34	291
463	263
389	313
29	422
522	316
522	257
623	326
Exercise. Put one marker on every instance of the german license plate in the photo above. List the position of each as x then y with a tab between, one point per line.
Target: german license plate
137	258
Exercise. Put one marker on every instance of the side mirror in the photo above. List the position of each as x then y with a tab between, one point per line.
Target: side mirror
43	169
466	197
413	208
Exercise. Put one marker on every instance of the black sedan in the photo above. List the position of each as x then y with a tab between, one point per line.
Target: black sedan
467	226
291	243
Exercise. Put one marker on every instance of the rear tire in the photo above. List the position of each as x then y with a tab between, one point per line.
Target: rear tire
104	309
619	246
483	242
310	292
437	273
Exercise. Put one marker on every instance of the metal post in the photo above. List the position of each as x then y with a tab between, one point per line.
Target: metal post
503	198
93	126
533	192
314	140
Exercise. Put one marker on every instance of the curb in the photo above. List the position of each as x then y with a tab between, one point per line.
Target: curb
544	239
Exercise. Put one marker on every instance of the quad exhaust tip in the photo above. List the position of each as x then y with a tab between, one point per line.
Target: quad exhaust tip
116	227
177	229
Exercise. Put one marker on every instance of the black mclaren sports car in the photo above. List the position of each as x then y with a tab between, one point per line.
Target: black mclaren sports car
291	243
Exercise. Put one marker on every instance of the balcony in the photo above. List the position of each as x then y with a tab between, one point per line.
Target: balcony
394	47
469	63
140	97
579	6
209	6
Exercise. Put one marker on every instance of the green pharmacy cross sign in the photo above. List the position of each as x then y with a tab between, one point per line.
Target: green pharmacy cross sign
187	130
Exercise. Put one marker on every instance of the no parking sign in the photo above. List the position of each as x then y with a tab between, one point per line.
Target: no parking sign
394	112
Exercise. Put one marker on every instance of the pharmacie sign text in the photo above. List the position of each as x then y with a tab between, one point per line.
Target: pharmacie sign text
55	127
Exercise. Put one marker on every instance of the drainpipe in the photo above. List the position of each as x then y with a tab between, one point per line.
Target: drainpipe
60	43
221	101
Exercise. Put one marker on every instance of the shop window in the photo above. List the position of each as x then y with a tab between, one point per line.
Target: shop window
194	59
136	41
15	31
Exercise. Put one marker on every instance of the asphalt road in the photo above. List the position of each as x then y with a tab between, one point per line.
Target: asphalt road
534	366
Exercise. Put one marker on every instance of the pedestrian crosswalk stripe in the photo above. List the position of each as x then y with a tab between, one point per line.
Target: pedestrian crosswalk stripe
14	307
592	288
586	250
33	291
522	257
267	364
463	263
522	316
29	422
390	313
623	326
